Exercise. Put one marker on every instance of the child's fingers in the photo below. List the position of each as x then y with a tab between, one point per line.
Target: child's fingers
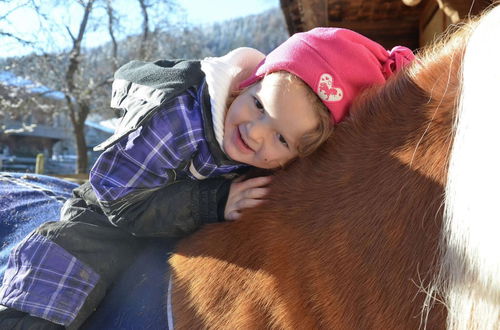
256	193
233	215
241	186
245	194
248	203
256	182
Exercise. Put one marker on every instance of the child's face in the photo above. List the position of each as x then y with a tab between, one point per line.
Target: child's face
263	125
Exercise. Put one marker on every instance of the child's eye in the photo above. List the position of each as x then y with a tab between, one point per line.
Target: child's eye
258	105
282	140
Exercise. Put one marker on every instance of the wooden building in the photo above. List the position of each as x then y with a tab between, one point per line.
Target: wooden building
32	121
412	23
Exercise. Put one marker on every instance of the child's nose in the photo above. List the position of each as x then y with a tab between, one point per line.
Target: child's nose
258	130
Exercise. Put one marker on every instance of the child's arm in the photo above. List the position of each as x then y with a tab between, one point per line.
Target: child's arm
171	211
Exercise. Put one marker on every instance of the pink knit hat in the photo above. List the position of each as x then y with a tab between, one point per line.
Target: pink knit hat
336	63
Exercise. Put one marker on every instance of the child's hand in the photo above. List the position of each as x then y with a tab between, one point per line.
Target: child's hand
244	194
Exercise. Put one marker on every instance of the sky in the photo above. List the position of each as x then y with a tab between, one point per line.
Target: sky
198	12
207	11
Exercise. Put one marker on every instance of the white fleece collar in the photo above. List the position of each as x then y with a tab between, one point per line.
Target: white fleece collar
219	76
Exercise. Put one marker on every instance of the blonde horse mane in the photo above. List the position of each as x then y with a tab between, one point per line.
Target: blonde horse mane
470	275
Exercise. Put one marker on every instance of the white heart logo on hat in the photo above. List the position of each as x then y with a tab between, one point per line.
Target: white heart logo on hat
326	91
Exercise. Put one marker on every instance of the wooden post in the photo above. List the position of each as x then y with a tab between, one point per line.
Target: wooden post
40	162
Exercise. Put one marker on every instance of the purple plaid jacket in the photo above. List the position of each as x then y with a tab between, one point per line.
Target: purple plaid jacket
170	146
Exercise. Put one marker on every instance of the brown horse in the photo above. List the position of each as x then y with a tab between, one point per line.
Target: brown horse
391	225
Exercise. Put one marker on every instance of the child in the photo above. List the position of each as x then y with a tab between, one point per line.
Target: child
164	172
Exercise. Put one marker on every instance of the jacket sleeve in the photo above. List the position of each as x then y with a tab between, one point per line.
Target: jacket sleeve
148	158
172	211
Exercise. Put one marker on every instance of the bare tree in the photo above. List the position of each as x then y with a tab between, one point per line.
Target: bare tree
4	18
77	99
145	28
81	74
111	31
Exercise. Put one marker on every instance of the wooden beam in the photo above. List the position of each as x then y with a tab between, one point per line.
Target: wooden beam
285	8
288	7
396	26
315	13
388	33
463	8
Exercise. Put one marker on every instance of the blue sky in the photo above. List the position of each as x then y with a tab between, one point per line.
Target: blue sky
206	11
198	12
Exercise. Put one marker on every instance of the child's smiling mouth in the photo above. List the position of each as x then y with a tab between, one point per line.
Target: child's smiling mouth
240	142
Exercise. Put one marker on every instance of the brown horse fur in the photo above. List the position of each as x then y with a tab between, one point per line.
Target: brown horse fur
349	237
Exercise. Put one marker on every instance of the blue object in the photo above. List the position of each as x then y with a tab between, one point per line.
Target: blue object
136	301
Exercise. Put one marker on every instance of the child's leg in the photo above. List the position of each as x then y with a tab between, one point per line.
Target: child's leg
62	270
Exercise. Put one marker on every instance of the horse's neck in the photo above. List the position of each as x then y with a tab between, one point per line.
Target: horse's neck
313	256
